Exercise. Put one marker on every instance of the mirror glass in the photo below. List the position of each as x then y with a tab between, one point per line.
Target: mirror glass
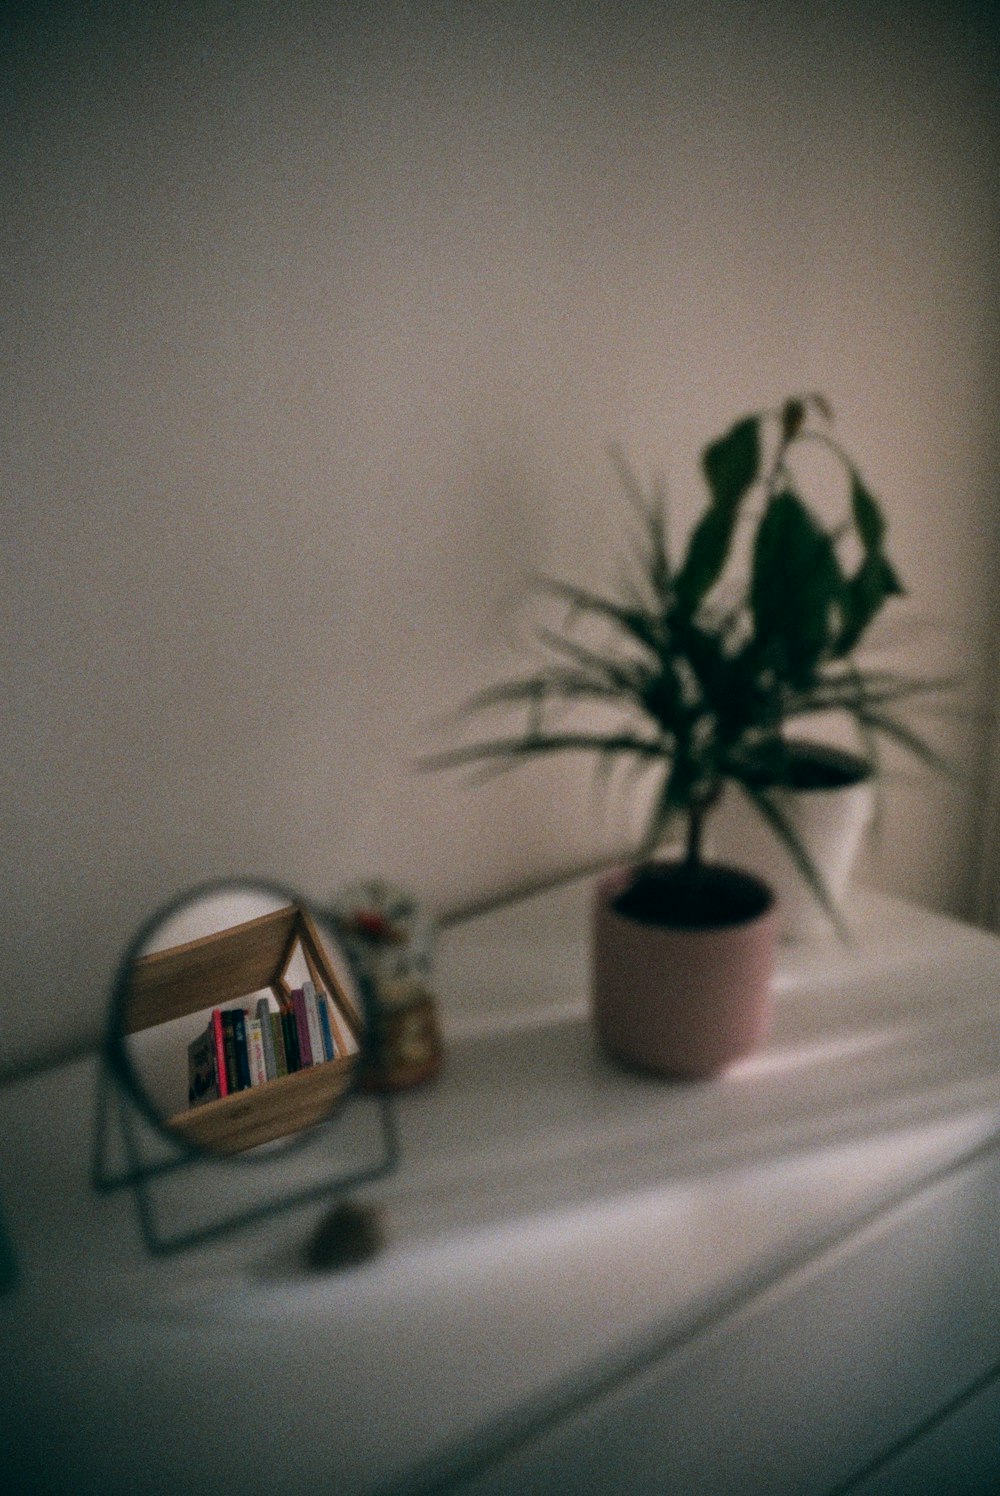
238	1022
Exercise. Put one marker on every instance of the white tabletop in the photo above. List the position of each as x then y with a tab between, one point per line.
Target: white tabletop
552	1219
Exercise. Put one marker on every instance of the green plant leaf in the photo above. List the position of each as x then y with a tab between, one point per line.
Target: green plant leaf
875	579
793	413
704	560
715	671
662	698
862	597
731	465
751	697
794	582
868	518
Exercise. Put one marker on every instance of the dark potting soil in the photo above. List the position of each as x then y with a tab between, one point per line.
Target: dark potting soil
704	898
814	766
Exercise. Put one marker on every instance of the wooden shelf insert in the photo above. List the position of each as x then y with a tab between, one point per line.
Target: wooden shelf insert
265	1112
222	969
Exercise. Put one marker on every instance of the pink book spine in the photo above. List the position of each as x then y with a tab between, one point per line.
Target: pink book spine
302	1026
219	1046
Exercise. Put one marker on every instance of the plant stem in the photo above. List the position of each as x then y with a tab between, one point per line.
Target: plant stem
698	809
777	466
695	828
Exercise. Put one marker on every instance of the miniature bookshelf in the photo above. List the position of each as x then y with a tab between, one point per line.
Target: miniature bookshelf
225	968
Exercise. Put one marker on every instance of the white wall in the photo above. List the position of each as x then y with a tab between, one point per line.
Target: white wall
317	321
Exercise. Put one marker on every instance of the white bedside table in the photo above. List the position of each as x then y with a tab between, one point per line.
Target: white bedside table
786	1280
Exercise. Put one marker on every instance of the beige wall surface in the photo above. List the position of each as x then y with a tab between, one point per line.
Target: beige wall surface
317	322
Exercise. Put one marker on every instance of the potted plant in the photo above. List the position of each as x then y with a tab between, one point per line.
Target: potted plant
699	683
815	615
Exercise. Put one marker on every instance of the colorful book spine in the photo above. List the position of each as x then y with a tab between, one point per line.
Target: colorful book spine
203	1084
290	1029
278	1041
323	1009
315	1029
264	1016
219	1045
302	1028
229	1037
240	1041
255	1052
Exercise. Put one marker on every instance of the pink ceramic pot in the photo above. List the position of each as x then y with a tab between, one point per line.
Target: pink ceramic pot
681	1001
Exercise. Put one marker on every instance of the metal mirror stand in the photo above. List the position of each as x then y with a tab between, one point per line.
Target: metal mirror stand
184	1194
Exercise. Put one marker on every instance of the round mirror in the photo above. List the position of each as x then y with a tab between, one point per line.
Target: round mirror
237	1023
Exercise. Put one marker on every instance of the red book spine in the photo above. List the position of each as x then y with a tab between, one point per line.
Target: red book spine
219	1046
302	1027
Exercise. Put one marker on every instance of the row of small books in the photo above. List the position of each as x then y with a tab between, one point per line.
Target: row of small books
240	1049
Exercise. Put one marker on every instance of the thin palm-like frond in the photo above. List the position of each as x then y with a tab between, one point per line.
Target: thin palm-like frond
871	745
569	685
859	690
627	677
637	622
764	802
544	742
898	732
657	566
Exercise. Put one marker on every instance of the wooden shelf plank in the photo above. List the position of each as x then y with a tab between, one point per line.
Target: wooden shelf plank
208	972
272	1110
